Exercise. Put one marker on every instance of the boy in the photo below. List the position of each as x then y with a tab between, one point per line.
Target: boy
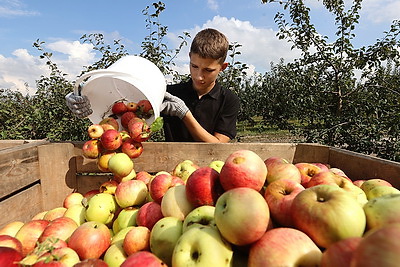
200	109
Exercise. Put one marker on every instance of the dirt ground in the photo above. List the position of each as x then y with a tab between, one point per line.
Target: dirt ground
271	138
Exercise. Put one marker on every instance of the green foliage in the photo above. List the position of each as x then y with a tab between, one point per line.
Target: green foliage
334	94
326	99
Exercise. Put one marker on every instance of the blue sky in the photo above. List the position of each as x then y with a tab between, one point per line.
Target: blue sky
60	24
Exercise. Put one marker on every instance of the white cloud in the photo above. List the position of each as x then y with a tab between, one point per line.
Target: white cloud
260	46
212	4
15	8
23	68
379	11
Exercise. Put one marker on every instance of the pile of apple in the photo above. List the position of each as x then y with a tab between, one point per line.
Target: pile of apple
243	211
120	137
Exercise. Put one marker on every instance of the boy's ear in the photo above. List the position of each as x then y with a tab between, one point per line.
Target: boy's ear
224	66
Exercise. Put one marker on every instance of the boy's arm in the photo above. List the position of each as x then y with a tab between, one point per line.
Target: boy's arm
199	133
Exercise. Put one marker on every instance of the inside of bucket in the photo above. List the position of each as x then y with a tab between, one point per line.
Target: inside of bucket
103	92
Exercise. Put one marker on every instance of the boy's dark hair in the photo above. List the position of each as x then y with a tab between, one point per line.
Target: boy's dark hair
210	43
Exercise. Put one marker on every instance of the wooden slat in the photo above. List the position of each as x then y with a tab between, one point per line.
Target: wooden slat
57	172
19	167
12	143
360	166
90	182
22	206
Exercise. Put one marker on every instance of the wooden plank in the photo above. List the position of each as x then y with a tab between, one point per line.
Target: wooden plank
22	206
161	156
311	153
90	182
360	166
19	167
12	143
57	172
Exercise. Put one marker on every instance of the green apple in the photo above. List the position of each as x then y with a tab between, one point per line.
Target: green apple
101	208
76	212
216	165
382	210
163	238
126	217
184	169
327	213
381	190
175	203
202	246
242	215
199	217
120	164
371	183
119	237
115	255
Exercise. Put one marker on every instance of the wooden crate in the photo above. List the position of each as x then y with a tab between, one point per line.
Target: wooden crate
36	176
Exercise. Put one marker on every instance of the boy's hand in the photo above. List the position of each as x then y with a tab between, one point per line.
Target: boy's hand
173	106
79	105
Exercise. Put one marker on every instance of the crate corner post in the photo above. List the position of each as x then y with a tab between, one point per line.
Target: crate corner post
58	173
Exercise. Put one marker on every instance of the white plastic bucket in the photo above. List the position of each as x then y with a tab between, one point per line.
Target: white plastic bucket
131	78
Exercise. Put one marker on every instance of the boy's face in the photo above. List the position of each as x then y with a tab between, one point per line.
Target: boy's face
204	72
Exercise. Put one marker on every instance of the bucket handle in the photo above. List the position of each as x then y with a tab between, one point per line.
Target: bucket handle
79	83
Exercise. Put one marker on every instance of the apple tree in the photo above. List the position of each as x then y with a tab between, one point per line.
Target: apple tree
334	105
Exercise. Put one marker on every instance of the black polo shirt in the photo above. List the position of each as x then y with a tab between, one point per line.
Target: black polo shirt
216	112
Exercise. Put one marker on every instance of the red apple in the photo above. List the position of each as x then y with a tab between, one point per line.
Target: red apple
132	148
243	168
9	257
91	263
137	239
29	234
340	253
132	106
307	171
280	168
203	187
11	242
91	149
279	196
160	184
148	214
284	247
90	240
60	228
126	118
89	194
139	130
95	131
325	178
143	259
144	176
359	182
378	248
74	198
144	108
119	108
109	123
111	139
